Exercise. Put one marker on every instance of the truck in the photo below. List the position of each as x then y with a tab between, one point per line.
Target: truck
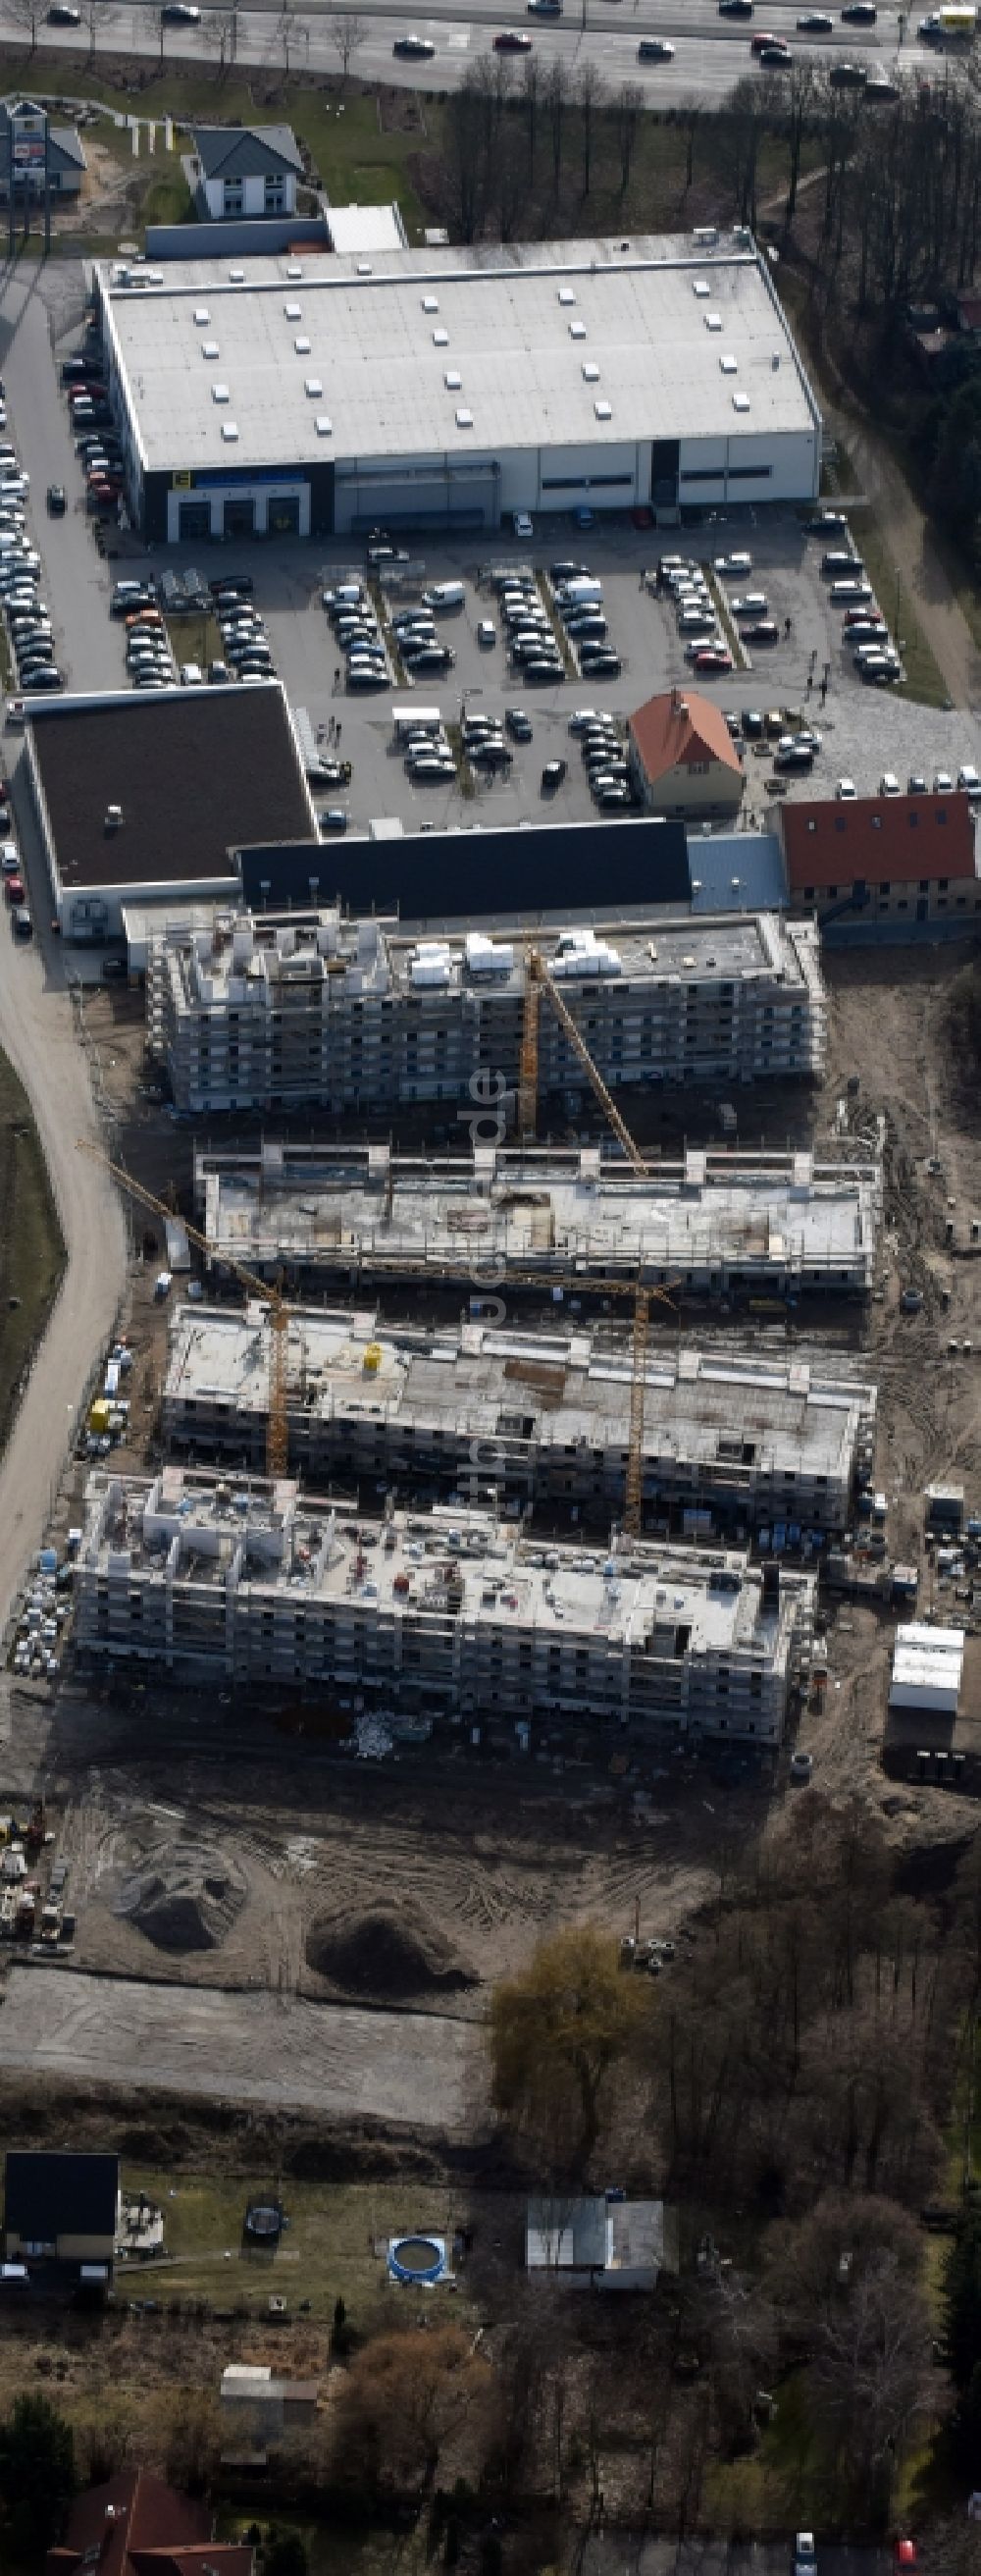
957	24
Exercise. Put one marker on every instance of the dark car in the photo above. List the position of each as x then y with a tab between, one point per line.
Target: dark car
879	90
859	13
599	664
752	724
543	669
227	582
776	58
60	15
180	13
815	24
334	819
797	755
44	676
416	48
654	49
848	75
23	925
57	503
916	783
735	8
764	631
554	772
821	521
490	754
518	724
512	40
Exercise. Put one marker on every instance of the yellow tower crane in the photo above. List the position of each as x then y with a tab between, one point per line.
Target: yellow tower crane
277	1422
537	980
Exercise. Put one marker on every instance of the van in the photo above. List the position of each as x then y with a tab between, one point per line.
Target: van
580	594
443	595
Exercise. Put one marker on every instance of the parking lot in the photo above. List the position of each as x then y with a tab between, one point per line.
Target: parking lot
864	731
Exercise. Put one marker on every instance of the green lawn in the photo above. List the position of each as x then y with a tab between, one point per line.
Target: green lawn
324	2254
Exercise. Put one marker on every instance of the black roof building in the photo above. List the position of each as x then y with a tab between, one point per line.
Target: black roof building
48	2195
510	872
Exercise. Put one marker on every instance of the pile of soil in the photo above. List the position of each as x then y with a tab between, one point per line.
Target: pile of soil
185	1895
379	1956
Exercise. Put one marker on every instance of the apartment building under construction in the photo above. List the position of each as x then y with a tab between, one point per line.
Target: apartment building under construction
257	1014
732	1441
443	1618
713	1223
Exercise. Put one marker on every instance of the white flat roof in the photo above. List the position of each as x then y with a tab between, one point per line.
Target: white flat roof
381	333
362	229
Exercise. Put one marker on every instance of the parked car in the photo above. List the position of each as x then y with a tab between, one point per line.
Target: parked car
518	724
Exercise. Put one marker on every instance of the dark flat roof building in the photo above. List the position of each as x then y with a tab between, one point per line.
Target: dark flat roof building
139	799
426	876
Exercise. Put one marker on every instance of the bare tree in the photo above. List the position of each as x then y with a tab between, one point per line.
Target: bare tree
347	34
98	16
557	99
27	15
290	33
220	31
591	96
867	2375
630	101
531	90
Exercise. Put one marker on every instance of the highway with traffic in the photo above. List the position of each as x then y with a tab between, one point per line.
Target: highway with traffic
711	52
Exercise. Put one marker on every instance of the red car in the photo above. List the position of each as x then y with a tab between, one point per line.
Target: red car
713	659
14	889
512	40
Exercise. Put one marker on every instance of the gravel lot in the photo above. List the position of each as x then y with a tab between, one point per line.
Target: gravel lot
396	2068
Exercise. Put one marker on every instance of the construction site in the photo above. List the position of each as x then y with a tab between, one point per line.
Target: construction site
349	1014
438	1619
539	1421
714	1223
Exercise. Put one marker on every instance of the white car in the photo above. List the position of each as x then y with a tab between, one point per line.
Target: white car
192	676
889	783
968	780
733	567
523	525
846	791
943	784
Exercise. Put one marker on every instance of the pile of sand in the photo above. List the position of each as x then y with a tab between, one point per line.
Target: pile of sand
185	1895
380	1956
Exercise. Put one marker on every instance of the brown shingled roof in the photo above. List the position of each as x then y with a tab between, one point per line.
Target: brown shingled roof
884	840
135	2525
680	729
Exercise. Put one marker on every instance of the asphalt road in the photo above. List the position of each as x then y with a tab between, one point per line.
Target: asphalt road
37	1022
711	53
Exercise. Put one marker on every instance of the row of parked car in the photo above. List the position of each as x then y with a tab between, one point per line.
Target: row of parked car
428	756
865	633
705	646
604	759
579	600
26	614
97	443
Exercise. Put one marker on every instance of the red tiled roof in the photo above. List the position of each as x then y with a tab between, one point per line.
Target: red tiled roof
679	729
886	840
135	2525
